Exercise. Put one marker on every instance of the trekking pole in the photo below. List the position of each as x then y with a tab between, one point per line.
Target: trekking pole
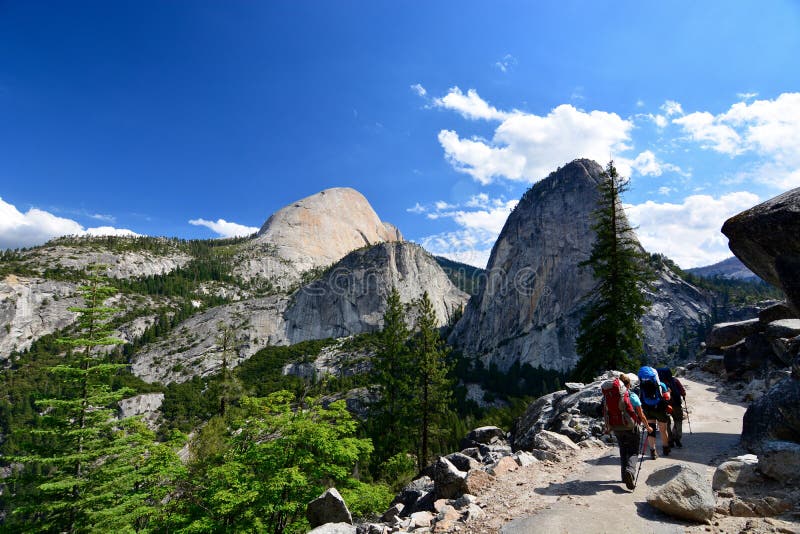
643	437
687	415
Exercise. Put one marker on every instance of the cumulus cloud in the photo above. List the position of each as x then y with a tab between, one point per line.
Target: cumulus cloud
689	232
417	208
470	105
670	108
225	228
35	227
768	129
525	146
480	220
646	164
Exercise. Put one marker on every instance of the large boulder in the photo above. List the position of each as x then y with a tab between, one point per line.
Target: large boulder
554	442
787	328
775	416
750	354
765	238
328	508
334	528
449	480
780	460
738	472
726	334
682	492
776	312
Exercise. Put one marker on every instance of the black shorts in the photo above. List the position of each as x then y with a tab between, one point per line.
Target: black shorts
659	413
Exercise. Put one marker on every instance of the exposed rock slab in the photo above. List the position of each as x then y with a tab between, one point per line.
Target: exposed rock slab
726	334
765	238
351	297
321	229
31	308
780	460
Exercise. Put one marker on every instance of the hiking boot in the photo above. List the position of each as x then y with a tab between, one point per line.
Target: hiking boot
653	454
666	450
627	477
671	444
678	444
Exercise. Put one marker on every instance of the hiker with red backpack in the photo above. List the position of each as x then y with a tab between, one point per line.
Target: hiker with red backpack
655	397
622	412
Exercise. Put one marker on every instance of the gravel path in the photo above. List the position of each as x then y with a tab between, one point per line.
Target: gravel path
583	494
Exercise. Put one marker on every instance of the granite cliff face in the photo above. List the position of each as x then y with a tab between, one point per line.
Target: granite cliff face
351	297
529	307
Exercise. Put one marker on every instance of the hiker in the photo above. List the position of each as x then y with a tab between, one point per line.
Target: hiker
677	400
622	411
654	395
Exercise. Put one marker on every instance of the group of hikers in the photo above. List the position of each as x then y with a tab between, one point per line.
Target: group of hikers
657	402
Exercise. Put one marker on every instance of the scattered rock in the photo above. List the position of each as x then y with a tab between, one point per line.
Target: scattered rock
462	461
421	519
684	493
483	435
448	479
574	387
524	458
328	508
504	465
334	528
551	441
477	481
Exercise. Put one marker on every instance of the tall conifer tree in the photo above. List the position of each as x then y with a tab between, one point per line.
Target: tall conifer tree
611	331
393	375
433	388
94	472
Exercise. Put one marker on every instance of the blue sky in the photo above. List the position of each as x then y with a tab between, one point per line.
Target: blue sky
199	119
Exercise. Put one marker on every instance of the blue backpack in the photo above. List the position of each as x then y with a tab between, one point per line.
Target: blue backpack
649	386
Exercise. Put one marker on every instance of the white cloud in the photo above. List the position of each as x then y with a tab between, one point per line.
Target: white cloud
35	227
527	147
670	107
746	96
689	232
664	190
767	128
224	228
470	106
645	164
506	63
417	88
417	208
480	220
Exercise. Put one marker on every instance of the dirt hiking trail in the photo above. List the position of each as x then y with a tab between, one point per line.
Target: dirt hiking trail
584	494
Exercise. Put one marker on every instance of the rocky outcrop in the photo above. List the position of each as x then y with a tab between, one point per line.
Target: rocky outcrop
765	238
319	230
191	349
731	268
350	298
31	308
529	305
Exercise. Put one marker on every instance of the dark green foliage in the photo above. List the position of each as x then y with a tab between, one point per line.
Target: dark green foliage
81	468
431	384
393	373
465	277
280	457
611	331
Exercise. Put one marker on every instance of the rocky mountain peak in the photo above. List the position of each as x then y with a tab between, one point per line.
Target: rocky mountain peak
529	307
321	229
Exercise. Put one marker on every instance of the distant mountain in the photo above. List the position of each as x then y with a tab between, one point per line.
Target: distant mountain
465	277
730	268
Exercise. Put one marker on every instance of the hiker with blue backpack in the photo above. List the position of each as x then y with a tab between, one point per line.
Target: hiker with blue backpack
622	412
655	396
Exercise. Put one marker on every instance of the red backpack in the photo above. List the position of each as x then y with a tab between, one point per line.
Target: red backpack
619	413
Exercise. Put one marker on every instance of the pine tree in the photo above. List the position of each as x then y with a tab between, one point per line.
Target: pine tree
611	332
92	471
433	387
393	375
